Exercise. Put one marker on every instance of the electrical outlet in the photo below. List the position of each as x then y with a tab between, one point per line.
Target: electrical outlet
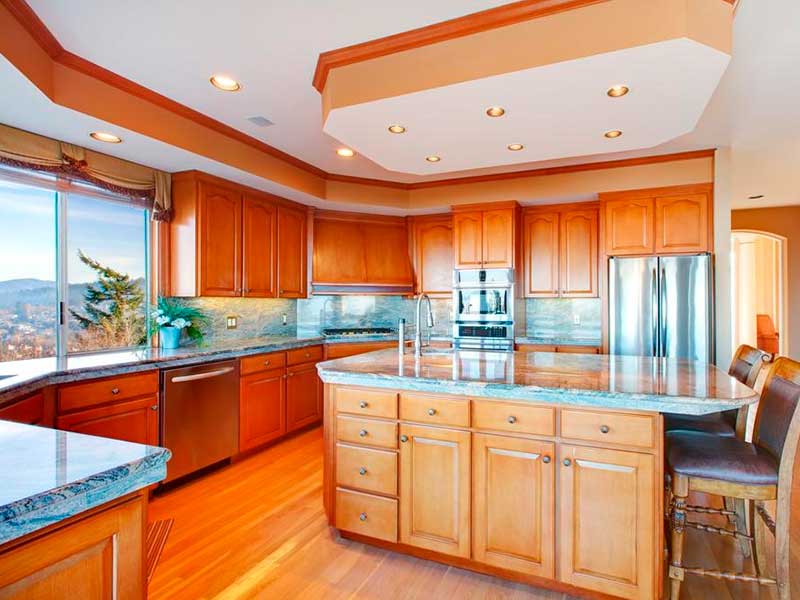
576	319
284	319
232	322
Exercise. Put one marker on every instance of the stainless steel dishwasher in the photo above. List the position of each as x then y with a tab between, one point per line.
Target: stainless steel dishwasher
200	415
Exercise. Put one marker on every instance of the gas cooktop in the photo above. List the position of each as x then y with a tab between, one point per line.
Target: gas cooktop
357	331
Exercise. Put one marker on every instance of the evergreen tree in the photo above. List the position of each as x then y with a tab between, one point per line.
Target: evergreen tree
112	307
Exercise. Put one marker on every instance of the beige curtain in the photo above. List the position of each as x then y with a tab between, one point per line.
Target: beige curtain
141	185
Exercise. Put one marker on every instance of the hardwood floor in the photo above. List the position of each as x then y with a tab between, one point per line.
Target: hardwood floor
256	529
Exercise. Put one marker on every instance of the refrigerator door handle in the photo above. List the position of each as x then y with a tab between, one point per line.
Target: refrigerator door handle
662	310
654	317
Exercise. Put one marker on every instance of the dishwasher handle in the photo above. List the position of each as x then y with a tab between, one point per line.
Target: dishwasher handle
207	375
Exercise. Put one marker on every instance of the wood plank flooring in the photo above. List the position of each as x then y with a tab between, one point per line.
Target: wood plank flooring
256	529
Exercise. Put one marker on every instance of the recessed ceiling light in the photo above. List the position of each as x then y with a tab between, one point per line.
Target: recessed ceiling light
495	111
433	158
614	133
102	136
618	91
515	147
756	197
225	83
397	129
345	152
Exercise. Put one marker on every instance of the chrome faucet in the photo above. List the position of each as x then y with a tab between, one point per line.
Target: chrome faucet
418	331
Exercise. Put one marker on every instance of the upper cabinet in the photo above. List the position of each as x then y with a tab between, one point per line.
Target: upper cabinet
672	220
560	252
485	238
433	254
228	240
357	253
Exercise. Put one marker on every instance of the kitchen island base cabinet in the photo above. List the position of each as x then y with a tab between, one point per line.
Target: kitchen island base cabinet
131	421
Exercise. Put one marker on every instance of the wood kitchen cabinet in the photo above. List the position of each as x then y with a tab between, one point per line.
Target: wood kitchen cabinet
484	237
303	396
670	220
128	420
540	234
262	408
30	410
435	484
229	240
433	255
578	253
513	503
607	540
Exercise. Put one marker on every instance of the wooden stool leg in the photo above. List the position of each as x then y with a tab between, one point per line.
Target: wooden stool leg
759	547
680	491
743	524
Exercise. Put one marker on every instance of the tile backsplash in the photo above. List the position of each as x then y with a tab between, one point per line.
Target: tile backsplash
556	318
256	316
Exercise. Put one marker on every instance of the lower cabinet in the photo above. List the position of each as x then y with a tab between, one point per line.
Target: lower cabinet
435	489
128	420
606	536
303	396
262	408
513	503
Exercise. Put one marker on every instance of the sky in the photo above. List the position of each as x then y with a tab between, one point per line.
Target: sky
112	233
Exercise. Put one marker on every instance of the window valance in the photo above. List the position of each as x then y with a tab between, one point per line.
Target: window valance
147	187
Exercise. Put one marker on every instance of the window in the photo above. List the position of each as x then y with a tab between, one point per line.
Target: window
70	246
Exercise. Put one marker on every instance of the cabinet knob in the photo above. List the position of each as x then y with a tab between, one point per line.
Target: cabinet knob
362	471
403	438
114	391
431	411
546	459
512	419
308	354
363	433
363	404
154	407
567	462
266	363
363	516
280	292
604	429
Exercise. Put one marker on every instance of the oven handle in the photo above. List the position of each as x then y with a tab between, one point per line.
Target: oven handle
208	375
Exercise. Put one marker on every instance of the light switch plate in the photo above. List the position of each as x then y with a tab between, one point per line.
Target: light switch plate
232	322
576	319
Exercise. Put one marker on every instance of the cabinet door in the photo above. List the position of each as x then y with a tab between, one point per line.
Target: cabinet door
303	396
606	532
682	224
220	241
339	253
435	489
513	495
130	421
259	220
386	254
468	237
434	256
579	254
292	253
629	227
28	410
540	243
498	238
262	408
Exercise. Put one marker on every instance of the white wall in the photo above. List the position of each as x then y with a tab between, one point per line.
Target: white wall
723	196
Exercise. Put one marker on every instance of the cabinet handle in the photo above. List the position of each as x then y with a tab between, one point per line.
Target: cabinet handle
363	433
403	438
362	471
363	404
512	419
546	459
363	516
567	462
114	391
431	411
604	429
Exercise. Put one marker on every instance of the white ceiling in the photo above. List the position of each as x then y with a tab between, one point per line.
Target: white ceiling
272	47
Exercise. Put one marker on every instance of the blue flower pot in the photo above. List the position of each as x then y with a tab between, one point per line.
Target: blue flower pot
169	338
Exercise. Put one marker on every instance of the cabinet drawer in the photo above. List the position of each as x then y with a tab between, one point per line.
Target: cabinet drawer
372	403
613	428
366	431
514	417
579	350
102	391
366	469
302	355
262	362
434	410
366	514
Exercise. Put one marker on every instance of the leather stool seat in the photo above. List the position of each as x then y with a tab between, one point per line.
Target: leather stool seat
709	456
716	423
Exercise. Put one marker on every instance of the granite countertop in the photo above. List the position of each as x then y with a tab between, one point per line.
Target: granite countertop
51	475
623	382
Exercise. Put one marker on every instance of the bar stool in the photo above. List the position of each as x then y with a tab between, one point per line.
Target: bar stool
727	466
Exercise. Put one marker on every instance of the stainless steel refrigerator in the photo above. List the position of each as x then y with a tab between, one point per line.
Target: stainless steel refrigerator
662	306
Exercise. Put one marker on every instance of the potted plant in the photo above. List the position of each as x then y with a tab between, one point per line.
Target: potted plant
172	318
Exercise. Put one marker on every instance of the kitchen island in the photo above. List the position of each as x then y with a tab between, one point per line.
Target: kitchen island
540	467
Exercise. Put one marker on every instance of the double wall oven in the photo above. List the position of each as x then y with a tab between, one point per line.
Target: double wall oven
483	307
